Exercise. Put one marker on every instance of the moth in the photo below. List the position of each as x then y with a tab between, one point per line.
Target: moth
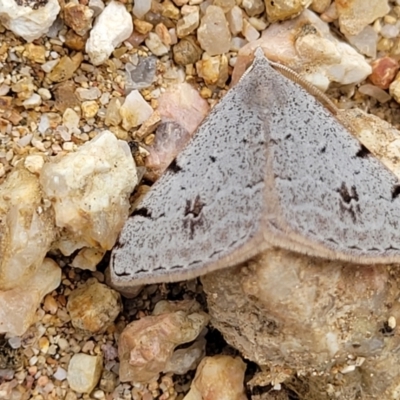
271	166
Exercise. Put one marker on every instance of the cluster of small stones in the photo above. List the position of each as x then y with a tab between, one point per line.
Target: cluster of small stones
53	99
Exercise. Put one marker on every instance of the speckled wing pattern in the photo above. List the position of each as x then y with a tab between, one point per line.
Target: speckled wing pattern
269	166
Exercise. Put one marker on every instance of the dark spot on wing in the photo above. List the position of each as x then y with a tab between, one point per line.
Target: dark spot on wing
348	195
363	152
143	212
174	167
395	192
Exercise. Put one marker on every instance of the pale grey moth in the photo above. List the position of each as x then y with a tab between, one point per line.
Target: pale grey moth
269	166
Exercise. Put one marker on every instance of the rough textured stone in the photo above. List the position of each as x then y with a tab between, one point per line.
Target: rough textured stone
155	45
292	314
214	70
35	53
78	17
307	46
218	377
187	51
26	228
146	345
355	15
74	41
19	305
25	21
189	22
84	372
90	190
93	306
112	27
280	10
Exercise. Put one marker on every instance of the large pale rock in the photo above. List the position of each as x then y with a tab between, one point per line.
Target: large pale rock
307	46
26	228
295	315
112	27
355	15
18	306
93	306
218	378
84	372
90	192
25	20
146	346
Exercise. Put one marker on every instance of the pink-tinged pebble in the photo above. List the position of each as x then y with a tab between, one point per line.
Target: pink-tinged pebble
181	109
384	71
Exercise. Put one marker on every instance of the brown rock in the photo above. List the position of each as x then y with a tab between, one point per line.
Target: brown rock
65	96
146	345
316	316
280	10
93	307
78	17
214	70
74	41
66	68
142	27
113	117
35	53
169	10
163	33
187	51
136	39
149	126
384	71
